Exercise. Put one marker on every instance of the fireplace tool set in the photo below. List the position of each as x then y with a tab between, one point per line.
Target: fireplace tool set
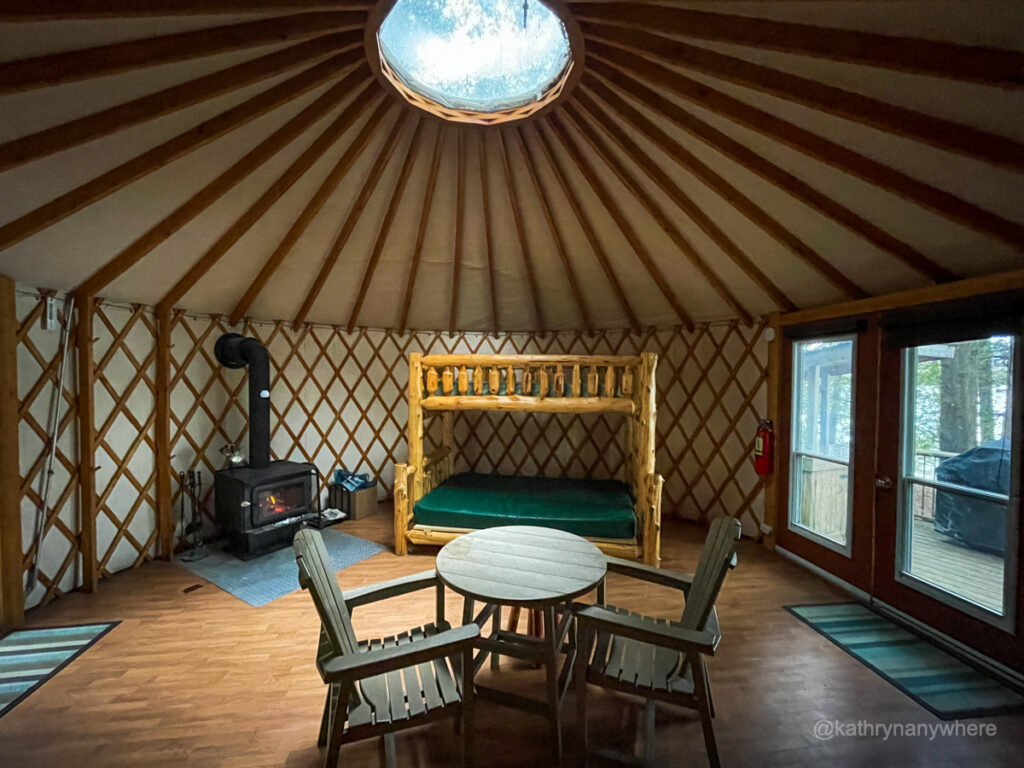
193	489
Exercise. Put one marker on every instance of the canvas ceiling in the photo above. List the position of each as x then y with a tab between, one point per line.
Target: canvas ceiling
625	218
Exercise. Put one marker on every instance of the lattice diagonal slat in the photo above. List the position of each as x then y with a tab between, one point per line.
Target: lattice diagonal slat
38	365
125	411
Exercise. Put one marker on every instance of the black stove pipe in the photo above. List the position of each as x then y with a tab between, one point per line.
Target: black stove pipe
233	350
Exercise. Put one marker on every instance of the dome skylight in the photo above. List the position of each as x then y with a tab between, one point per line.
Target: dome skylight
475	57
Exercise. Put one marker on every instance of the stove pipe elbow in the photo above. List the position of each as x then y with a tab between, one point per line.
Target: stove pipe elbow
233	350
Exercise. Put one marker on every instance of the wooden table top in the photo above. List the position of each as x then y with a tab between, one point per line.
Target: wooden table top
521	565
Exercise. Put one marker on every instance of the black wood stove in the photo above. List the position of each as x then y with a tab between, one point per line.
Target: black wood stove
260	506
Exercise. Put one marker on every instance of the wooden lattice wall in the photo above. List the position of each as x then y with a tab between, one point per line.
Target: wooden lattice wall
338	399
124	462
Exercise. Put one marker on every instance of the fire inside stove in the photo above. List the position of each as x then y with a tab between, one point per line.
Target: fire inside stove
281	500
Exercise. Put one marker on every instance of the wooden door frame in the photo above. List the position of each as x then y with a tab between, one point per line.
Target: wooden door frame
998	643
857	568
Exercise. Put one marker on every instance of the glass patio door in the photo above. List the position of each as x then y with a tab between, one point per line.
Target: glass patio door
948	479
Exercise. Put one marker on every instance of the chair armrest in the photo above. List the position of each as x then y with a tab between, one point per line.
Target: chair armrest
649	573
400	586
647	630
357	666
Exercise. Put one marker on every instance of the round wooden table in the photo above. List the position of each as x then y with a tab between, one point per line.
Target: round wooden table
524	567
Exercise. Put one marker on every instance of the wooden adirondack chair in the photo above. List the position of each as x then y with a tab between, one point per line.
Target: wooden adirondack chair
657	659
373	686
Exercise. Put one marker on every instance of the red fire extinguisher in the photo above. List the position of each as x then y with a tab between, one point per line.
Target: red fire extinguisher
764	448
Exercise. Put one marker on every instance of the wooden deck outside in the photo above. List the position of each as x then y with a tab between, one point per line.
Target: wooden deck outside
938	560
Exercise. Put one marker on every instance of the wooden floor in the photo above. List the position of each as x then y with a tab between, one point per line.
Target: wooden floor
201	679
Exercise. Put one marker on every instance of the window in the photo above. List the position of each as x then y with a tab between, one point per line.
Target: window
474	56
821	497
957	468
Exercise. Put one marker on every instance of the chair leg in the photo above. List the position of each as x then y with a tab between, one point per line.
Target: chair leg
466	714
337	731
390	756
325	720
582	659
707	680
650	744
703	693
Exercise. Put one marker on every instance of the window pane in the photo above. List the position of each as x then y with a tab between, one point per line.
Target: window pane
953	544
960	411
822	503
822	435
957	432
824	398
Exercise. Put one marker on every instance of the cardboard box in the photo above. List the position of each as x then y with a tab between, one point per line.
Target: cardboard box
361	503
355	504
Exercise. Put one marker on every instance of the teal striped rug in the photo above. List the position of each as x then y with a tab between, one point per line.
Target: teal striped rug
940	683
30	657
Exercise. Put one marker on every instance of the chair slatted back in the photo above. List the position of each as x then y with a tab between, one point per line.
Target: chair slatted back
715	558
316	575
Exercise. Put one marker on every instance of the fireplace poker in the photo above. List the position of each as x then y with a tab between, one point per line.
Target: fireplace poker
198	551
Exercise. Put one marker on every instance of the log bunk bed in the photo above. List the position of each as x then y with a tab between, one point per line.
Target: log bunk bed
434	506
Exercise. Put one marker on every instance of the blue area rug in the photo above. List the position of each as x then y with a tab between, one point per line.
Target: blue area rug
30	657
939	682
263	579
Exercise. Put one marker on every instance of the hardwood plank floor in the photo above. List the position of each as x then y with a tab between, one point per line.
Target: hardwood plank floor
202	679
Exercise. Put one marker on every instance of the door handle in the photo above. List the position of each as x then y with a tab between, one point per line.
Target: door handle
884	483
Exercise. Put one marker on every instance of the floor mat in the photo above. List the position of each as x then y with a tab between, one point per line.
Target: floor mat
30	657
939	682
266	578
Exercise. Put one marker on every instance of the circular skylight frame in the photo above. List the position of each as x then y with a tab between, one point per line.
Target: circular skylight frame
560	88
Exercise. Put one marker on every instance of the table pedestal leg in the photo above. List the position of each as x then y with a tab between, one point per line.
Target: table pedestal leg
551	664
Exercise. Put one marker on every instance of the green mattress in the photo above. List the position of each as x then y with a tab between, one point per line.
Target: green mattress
598	508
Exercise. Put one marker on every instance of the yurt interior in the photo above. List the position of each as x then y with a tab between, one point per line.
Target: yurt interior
510	383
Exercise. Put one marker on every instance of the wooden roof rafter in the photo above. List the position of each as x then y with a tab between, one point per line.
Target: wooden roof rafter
460	227
312	208
972	63
384	230
152	159
714	181
569	194
327	138
356	210
900	121
37	10
555	125
755	163
421	230
520	229
53	69
590	135
818	147
121	116
222	184
556	235
485	202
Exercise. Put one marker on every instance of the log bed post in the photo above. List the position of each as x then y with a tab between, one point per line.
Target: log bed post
409	477
645	481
